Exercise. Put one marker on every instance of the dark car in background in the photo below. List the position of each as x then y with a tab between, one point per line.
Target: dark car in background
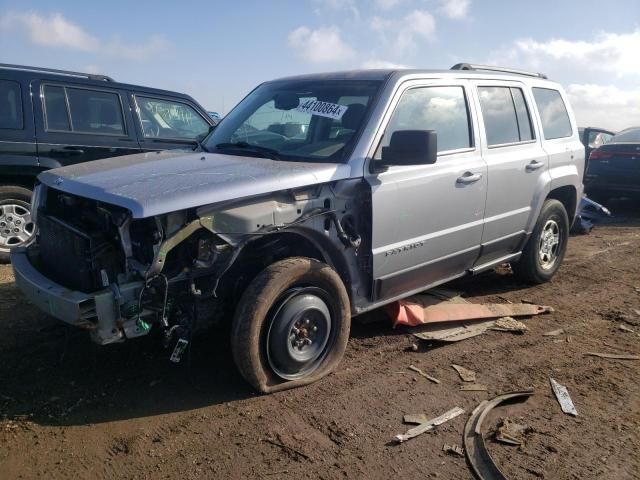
53	118
592	138
614	168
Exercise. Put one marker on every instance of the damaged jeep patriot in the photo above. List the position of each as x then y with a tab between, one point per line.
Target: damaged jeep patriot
317	198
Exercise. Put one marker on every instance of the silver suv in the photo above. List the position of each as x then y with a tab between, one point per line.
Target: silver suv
316	199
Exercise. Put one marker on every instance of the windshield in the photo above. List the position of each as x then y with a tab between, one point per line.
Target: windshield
296	120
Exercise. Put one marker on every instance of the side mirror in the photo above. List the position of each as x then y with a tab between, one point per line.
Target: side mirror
411	147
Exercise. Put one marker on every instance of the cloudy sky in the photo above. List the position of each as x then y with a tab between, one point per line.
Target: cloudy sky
218	50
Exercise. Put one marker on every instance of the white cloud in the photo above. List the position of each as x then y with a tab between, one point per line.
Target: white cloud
389	4
349	6
323	45
375	63
54	30
604	106
616	53
455	9
403	34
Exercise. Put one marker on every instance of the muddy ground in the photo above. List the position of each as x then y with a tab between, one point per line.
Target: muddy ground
70	409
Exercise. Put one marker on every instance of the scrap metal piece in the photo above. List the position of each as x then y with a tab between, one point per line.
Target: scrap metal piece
465	374
415	418
564	399
511	433
420	372
453	450
460	331
429	425
451	312
509	324
614	356
473	387
477	454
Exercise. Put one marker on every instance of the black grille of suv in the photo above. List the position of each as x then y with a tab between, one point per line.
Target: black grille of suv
67	254
78	243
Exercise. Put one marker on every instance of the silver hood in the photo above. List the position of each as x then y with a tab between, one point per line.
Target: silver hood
160	182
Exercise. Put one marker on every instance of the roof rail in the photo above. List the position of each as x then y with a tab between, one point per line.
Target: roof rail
491	68
91	76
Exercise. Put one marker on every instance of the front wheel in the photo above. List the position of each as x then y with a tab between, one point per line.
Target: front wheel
547	245
291	325
16	227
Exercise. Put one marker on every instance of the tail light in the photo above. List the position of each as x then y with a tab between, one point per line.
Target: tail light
599	155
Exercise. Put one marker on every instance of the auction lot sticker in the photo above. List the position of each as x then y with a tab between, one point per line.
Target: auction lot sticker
322	109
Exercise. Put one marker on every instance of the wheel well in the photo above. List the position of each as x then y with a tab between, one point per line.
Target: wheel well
257	255
567	195
26	181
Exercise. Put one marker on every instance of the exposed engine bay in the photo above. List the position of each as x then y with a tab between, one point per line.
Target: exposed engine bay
184	271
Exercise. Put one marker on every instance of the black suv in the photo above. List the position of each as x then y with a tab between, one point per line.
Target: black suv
51	118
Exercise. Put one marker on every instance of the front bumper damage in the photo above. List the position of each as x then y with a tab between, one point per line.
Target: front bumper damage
98	312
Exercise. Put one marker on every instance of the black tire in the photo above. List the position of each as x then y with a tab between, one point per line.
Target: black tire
262	332
532	266
19	197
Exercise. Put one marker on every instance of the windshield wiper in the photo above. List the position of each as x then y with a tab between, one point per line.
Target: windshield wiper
271	153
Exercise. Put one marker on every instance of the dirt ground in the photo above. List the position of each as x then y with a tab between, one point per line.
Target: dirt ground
70	409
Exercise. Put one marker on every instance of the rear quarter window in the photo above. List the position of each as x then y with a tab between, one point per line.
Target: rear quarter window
10	105
553	113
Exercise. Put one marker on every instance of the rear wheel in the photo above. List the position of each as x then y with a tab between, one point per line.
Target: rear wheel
547	245
291	325
16	227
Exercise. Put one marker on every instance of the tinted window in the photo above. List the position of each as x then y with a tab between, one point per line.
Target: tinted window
172	120
10	105
95	112
505	114
631	135
55	106
553	113
443	109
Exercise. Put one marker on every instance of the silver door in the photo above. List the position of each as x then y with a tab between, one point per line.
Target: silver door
427	219
518	167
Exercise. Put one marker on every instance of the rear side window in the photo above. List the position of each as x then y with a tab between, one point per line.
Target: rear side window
443	109
505	114
166	119
81	110
10	105
55	109
553	113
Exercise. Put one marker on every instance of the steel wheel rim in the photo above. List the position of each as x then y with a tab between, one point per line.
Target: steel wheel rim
300	332
549	246
16	226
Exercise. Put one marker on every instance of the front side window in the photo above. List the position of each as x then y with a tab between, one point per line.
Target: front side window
553	113
442	109
505	114
305	120
166	119
10	105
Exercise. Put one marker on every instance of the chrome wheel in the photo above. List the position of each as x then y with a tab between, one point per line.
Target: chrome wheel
549	244
16	227
299	333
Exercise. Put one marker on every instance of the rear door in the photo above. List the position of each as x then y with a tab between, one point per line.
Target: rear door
17	134
78	123
164	123
517	166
